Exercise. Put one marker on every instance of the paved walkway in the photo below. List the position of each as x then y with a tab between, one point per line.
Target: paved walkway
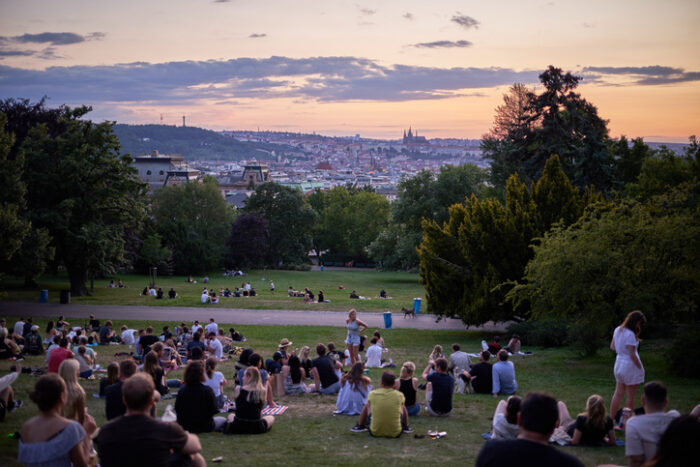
231	315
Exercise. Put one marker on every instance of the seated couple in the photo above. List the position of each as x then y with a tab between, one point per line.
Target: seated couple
385	411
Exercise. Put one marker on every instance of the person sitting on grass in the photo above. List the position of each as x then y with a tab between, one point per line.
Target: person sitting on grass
151	366
439	389
537	420
214	346
495	346
513	344
324	369
85	362
355	388
8	349
250	399
111	378
215	380
373	356
408	386
8	403
172	293
503	375
75	401
49	438
592	427
256	361
58	355
294	376
385	411
195	405
505	419
33	343
114	402
195	343
126	440
480	375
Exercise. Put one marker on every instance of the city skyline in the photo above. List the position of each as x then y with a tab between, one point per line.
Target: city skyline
340	68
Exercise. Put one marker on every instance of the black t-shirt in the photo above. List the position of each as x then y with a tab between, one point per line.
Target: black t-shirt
104	333
158	381
95	324
138	440
114	405
272	366
408	391
147	341
326	370
523	454
248	411
195	406
443	387
483	384
589	434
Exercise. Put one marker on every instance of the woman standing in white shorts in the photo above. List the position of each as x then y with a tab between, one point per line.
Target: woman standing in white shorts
629	371
355	327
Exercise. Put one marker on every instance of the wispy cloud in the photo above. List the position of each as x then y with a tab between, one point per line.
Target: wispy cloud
365	11
442	44
408	16
322	79
467	22
257	35
13	46
646	76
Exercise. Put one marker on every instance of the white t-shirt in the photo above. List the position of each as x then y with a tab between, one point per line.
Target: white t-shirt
212	327
373	356
196	328
215	382
504	430
624	337
205	297
216	347
152	292
128	336
643	432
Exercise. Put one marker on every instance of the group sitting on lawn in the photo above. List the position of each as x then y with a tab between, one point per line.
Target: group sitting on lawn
520	433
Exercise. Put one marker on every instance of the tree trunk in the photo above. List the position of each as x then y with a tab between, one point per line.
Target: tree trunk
78	281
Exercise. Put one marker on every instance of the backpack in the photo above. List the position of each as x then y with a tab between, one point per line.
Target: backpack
33	344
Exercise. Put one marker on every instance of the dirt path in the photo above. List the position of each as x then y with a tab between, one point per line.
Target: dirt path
232	315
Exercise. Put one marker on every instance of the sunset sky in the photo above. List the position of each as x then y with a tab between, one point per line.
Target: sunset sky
347	67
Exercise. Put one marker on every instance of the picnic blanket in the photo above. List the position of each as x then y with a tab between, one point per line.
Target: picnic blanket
279	410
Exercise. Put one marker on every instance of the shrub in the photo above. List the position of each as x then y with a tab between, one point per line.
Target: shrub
541	333
683	355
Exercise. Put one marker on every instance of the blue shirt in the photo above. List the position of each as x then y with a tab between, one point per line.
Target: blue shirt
503	375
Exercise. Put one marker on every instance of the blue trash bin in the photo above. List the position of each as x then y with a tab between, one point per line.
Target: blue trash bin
387	319
416	305
44	296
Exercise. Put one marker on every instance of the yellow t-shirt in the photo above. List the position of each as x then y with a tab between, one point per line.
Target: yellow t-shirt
385	405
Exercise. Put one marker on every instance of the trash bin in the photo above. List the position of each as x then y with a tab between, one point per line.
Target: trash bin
416	305
43	296
387	319
65	297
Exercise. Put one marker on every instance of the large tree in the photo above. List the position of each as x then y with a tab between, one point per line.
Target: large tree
556	121
194	221
81	192
248	245
290	220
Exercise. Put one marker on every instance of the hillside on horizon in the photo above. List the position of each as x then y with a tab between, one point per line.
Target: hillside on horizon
193	143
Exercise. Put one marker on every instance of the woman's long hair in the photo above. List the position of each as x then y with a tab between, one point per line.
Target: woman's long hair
437	353
49	327
355	376
633	322
254	386
294	369
304	354
210	366
595	412
112	373
68	371
151	366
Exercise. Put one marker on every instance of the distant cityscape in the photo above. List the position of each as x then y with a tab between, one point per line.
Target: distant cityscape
310	161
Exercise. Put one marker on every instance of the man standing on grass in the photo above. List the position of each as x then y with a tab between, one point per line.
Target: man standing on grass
438	391
643	432
211	327
538	418
137	437
386	410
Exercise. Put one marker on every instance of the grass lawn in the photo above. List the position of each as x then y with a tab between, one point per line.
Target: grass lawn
309	434
401	286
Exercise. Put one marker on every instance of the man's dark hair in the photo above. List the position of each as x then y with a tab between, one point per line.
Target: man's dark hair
196	354
127	368
277	356
503	355
194	372
63	342
373	341
331	346
138	391
539	413
321	350
441	364
254	359
388	378
512	409
196	336
486	355
455	347
655	394
149	330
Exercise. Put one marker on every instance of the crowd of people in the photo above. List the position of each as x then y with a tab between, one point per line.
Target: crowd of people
521	431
